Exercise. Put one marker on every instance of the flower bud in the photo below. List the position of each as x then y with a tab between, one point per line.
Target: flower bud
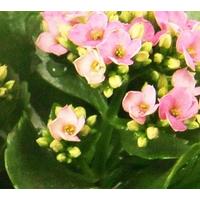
71	57
136	31
64	30
140	13
165	41
44	26
162	91
133	125
142	56
61	157
113	18
63	41
123	69
198	118
193	125
108	92
43	141
155	75
9	84
162	81
115	81
152	132
81	51
173	63
85	130
147	62
164	123
56	146
91	120
80	111
3	72
74	152
57	110
3	91
158	58
142	141
147	46
110	13
125	16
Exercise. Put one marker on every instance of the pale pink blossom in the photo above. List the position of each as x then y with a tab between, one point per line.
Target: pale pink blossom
178	106
91	66
148	29
188	44
140	104
185	78
119	48
67	125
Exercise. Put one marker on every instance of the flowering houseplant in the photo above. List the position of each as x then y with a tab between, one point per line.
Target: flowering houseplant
107	100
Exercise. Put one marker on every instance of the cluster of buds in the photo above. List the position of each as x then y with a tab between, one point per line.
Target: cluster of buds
6	87
66	125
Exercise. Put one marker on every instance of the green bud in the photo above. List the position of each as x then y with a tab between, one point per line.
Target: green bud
152	132
147	62
155	75
91	120
115	81
162	91
43	141
173	63
108	92
123	69
113	18
3	72
57	110
74	152
162	81
147	46
44	133
142	56
133	125
68	160
198	118
158	58
95	85
61	157
80	111
192	125
9	84
85	130
110	13
3	91
136	31
164	123
63	41
56	146
71	57
125	16
165	41
142	142
140	13
81	51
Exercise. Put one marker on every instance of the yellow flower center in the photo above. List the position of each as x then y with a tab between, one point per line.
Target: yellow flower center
143	107
175	112
96	34
119	51
191	51
69	129
95	65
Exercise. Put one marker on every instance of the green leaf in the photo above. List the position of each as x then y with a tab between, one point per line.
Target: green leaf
30	166
167	146
70	83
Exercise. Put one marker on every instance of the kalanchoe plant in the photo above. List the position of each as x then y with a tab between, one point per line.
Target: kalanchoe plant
111	100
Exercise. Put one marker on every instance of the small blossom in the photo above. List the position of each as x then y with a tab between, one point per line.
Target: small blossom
140	104
188	44
184	78
119	48
91	66
177	106
67	125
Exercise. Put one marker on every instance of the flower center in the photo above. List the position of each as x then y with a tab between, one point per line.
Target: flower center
119	51
191	51
175	112
69	129
95	65
96	34
143	107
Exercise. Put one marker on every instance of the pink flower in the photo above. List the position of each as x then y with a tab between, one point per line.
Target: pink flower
67	125
140	104
184	78
188	44
91	33
48	43
177	106
174	20
148	32
119	48
91	66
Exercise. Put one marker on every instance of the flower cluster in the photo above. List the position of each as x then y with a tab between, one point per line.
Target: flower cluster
116	47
